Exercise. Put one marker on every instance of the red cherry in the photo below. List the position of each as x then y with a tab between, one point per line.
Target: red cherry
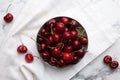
45	55
53	61
56	38
49	41
22	49
68	49
75	59
54	30
114	64
76	44
65	20
83	40
74	34
42	47
80	53
66	29
67	57
40	40
61	63
66	35
74	23
43	32
29	58
107	59
60	26
56	52
51	22
8	17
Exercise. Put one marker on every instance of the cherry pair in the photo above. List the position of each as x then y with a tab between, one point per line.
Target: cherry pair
108	60
22	49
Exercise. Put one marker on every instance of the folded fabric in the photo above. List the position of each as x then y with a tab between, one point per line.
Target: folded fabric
30	20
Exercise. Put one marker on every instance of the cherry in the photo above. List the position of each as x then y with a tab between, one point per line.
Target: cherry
40	40
83	40
74	34
64	20
107	59
68	49
75	59
8	17
43	32
54	30
29	58
53	61
67	57
66	29
42	47
60	26
80	53
51	22
76	44
45	55
56	52
74	23
114	64
61	63
22	49
66	35
56	38
49	41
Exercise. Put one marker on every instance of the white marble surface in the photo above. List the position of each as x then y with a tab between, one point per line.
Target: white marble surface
102	12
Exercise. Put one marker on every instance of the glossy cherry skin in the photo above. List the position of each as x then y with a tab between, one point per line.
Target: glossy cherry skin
83	40
42	47
22	49
45	55
49	41
73	34
51	22
61	63
56	38
65	20
76	44
60	26
29	58
66	35
8	17
80	53
74	23
53	61
107	59
40	40
43	32
68	57
56	52
68	49
75	59
114	64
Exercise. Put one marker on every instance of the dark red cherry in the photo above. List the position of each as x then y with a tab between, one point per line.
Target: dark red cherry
60	26
40	40
67	57
22	49
83	40
75	59
51	22
45	55
65	20
29	58
56	52
107	59
76	44
56	38
49	41
42	47
43	32
66	35
61	63
74	23
54	30
74	34
68	49
8	17
80	53
53	61
66	29
114	64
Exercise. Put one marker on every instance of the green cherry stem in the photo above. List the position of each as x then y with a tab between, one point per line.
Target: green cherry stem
34	40
42	36
8	7
51	28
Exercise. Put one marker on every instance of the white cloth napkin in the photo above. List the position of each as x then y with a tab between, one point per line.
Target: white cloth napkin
29	21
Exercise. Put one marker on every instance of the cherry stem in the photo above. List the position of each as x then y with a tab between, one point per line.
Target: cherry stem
51	28
8	7
42	36
34	40
36	57
50	47
78	50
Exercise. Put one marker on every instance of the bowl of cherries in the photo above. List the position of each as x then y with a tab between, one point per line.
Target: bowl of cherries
62	41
